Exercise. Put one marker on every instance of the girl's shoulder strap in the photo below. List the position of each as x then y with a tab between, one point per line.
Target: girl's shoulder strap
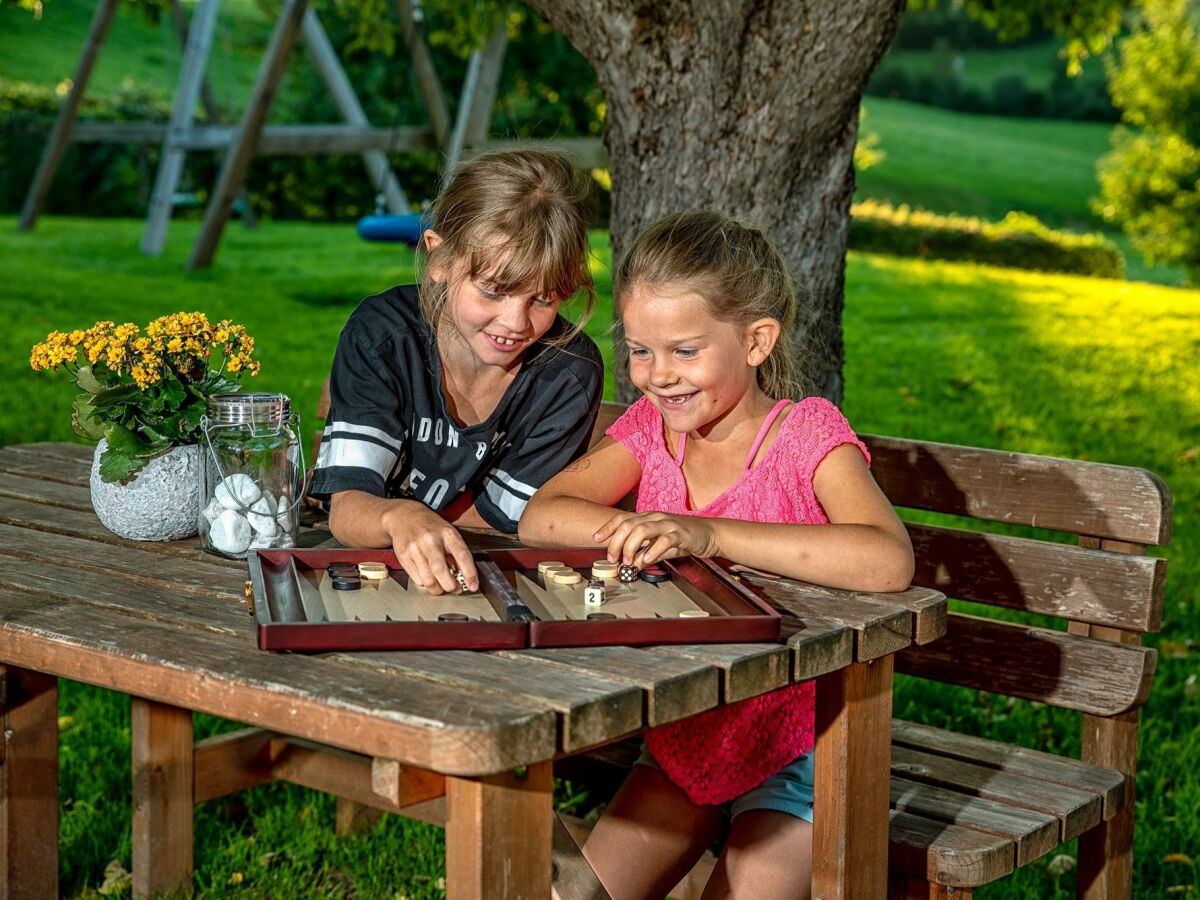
774	414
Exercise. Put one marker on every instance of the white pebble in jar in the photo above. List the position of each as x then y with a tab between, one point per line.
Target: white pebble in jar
237	491
262	518
230	533
214	509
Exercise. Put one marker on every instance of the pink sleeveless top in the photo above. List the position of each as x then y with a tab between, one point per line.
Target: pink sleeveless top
720	754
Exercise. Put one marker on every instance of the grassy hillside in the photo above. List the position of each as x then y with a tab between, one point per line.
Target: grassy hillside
984	165
1061	365
137	54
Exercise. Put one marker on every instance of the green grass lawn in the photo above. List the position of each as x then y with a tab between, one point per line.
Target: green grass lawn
1060	365
136	54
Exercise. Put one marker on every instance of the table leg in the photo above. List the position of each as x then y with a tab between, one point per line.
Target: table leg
853	762
28	784
499	833
163	798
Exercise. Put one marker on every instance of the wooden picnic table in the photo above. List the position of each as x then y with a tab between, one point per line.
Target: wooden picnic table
460	738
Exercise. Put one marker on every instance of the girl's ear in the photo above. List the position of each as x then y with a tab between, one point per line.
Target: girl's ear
760	338
432	241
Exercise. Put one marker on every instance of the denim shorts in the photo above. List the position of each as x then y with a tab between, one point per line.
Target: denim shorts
790	790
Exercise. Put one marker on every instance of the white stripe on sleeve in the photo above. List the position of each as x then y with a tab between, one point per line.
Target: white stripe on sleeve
512	505
368	431
519	487
361	454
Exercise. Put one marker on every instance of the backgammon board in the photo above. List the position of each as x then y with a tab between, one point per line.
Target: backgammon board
362	600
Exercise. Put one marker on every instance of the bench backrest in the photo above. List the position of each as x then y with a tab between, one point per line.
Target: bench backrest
1102	584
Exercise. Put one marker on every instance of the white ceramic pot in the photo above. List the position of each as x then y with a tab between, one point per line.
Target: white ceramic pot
161	503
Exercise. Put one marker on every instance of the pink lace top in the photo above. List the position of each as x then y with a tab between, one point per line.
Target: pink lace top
720	754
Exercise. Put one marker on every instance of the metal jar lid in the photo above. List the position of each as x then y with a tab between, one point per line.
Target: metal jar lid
258	410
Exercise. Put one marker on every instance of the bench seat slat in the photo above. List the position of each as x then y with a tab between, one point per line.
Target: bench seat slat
1108	784
1034	833
1023	489
1076	810
947	854
674	686
1097	677
1120	590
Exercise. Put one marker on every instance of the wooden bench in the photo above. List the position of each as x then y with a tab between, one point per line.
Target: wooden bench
968	810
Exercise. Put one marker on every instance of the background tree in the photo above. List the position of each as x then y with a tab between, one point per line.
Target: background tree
751	108
1150	182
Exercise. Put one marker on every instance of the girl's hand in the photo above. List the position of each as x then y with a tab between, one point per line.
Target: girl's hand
642	539
423	541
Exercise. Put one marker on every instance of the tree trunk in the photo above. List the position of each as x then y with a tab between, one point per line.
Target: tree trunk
748	107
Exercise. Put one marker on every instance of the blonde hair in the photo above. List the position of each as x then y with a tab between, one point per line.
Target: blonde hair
527	210
734	267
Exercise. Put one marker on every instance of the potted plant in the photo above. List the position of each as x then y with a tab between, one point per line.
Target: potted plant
143	393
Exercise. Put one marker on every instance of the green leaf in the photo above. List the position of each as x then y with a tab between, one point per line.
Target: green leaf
116	395
156	437
85	377
173	392
84	420
120	460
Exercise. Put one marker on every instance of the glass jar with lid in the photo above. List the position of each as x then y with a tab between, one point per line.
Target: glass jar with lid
252	479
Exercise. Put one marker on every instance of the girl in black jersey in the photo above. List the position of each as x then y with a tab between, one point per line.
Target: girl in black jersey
452	402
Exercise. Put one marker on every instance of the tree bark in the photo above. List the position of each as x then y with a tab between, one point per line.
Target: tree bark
748	107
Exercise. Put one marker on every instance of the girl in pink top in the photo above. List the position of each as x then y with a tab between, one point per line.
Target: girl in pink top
725	464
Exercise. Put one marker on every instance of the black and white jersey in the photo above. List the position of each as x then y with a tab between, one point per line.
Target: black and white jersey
388	431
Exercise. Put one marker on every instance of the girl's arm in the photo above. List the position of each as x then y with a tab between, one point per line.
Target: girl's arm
568	509
865	547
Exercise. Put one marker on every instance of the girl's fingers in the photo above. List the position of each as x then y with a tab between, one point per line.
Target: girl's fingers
657	551
637	538
436	560
458	550
605	531
408	563
616	541
424	574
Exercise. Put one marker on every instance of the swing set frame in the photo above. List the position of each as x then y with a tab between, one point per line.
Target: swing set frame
240	143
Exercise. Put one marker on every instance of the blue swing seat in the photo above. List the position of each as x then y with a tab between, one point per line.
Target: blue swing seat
407	228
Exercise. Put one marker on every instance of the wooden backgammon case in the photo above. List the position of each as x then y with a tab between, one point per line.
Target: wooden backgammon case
296	608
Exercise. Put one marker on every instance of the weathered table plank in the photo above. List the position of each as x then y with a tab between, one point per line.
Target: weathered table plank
592	709
746	669
674	687
879	629
126	562
51	462
39	490
413	720
818	646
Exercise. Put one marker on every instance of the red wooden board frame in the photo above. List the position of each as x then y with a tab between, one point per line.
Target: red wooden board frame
282	624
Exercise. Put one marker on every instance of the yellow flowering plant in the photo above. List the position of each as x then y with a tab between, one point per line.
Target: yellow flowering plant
145	391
